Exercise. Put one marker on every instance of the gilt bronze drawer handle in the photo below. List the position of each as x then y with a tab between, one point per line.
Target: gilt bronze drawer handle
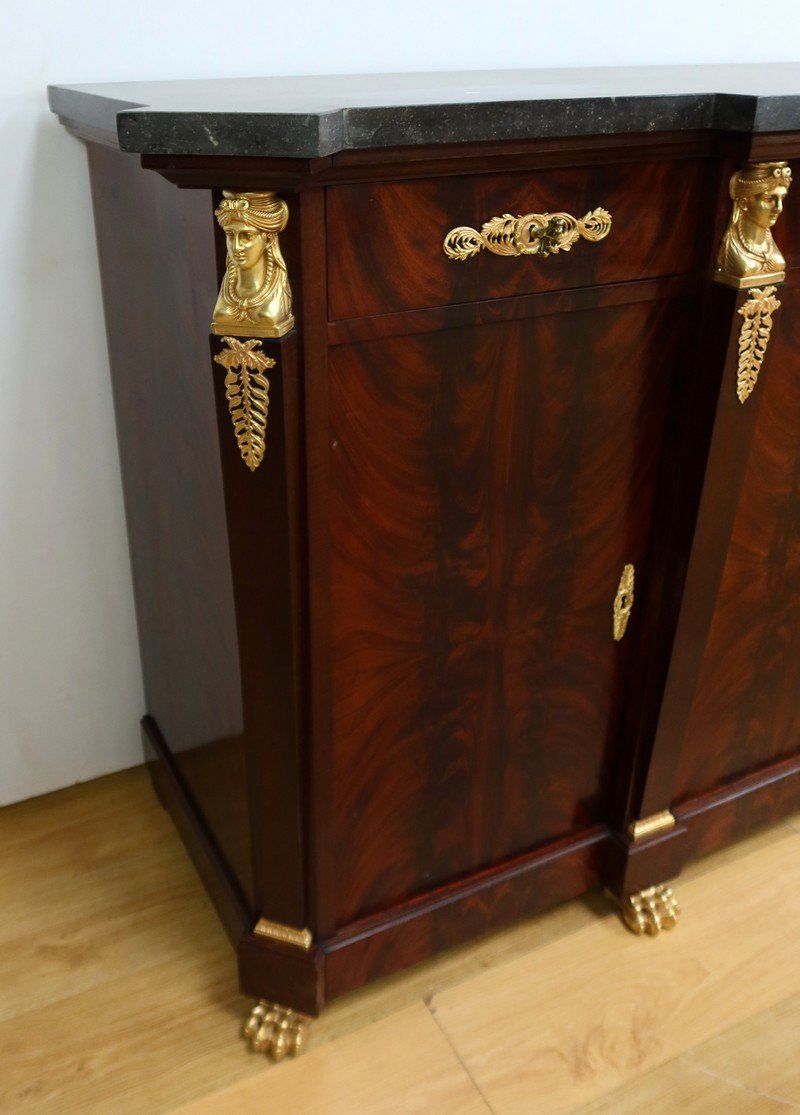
533	234
623	602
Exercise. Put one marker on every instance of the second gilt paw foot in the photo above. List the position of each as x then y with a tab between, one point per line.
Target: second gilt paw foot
276	1031
651	910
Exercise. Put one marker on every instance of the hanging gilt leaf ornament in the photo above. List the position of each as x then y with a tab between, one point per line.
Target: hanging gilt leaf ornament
754	337
247	392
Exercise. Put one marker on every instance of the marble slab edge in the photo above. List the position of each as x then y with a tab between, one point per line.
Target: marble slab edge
144	130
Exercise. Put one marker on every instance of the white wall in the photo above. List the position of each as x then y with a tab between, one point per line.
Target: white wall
70	688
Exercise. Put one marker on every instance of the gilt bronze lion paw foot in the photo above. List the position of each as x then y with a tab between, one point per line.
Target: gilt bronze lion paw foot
651	910
275	1030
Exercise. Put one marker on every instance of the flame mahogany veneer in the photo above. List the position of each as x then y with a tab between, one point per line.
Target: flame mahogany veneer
384	702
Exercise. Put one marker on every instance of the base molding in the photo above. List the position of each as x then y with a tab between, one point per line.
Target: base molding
294	977
634	865
195	832
738	808
305	978
463	911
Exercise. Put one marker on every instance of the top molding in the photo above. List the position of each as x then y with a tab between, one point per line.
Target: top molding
310	117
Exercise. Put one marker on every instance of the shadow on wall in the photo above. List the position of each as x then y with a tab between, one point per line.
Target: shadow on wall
70	686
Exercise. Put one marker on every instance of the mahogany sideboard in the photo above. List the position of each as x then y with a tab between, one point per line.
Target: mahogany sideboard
459	422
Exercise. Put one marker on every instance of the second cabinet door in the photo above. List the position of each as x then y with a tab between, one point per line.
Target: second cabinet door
746	708
488	486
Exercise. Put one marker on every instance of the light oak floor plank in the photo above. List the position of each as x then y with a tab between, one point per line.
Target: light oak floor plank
402	1064
98	889
458	966
568	1024
761	1054
137	1044
681	1087
118	989
754	1066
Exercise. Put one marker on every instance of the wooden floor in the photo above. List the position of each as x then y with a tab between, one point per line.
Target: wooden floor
118	992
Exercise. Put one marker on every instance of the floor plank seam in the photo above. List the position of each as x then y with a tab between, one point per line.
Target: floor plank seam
750	1089
446	1036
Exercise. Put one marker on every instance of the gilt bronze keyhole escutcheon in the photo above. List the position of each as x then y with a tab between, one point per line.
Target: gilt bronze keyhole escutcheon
623	602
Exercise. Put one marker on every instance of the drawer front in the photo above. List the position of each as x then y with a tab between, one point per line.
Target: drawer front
385	239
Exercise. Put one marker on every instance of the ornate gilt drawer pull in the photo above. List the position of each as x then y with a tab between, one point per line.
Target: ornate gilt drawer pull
623	602
533	234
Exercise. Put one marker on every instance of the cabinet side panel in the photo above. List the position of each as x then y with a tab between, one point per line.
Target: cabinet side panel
746	711
159	282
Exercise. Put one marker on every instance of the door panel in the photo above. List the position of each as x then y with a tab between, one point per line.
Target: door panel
488	486
746	710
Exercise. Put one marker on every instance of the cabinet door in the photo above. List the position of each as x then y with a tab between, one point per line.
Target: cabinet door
746	709
488	485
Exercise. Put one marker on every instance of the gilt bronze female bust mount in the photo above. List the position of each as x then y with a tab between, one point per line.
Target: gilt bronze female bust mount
748	255
255	299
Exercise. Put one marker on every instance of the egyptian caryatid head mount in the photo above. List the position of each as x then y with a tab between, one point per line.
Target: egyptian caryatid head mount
748	255
255	299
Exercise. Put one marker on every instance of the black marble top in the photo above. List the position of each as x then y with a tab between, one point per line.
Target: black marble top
314	116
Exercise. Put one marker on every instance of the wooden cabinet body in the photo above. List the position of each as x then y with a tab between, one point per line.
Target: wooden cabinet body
385	703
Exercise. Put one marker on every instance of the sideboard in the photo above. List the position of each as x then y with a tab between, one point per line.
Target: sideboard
459	422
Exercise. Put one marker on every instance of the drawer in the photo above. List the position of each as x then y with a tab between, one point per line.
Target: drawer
385	239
